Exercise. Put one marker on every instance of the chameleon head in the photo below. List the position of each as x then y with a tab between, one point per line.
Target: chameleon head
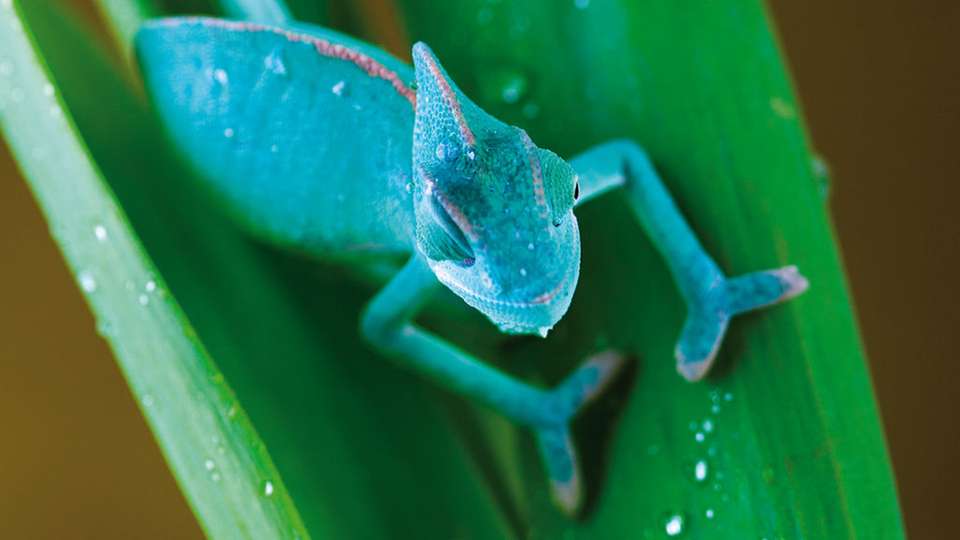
494	212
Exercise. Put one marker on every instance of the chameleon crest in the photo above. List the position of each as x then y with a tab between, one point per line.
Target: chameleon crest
493	211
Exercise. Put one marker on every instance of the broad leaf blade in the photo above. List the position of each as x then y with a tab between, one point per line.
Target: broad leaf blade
796	450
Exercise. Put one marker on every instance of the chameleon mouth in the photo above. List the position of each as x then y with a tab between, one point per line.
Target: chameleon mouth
533	315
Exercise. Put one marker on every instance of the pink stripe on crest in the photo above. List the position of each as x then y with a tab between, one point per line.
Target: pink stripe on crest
450	97
323	47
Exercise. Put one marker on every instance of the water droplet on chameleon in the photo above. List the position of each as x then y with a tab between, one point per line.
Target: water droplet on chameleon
337	89
523	272
674	525
228	133
221	76
87	282
274	63
441	152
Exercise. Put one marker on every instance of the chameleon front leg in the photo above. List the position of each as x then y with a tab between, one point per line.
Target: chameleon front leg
711	297
388	324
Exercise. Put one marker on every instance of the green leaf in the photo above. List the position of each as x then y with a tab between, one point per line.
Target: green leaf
210	444
791	443
362	447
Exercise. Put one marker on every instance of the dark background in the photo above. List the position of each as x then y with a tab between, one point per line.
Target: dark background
880	84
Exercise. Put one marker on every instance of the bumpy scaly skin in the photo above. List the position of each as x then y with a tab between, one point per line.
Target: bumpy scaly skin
317	142
518	257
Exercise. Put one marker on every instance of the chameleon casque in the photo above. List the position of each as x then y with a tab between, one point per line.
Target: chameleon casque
317	142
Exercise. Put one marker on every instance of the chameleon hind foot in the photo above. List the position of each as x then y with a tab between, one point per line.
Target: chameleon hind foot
710	314
554	441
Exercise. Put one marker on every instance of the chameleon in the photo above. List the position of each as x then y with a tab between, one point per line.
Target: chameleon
319	143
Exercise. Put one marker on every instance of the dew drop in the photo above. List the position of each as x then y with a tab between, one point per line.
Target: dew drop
700	471
338	88
147	400
709	513
100	232
530	246
48	89
523	272
674	525
512	87
143	299
715	408
708	426
274	63
268	488
104	328
728	397
150	286
699	436
210	464
221	76
87	282
531	110
821	175
228	133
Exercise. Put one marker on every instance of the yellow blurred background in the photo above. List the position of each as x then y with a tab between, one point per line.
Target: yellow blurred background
880	84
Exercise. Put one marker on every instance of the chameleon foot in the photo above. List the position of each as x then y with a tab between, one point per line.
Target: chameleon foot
707	321
554	441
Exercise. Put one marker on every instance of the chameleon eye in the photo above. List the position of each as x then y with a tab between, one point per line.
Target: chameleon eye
576	191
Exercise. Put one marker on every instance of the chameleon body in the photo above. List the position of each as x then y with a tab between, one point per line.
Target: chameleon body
320	143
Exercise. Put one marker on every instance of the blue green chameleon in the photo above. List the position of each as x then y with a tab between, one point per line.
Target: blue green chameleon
319	143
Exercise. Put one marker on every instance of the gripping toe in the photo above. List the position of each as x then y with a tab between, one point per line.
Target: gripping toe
707	320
